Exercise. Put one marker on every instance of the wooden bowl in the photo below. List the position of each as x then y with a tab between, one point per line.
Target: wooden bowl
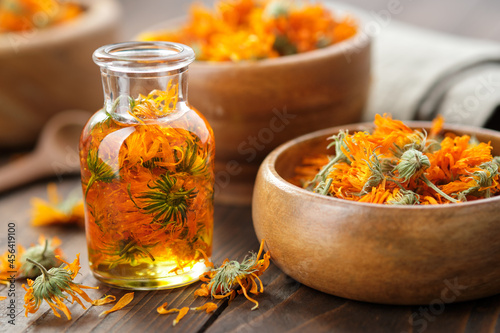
377	253
254	106
49	70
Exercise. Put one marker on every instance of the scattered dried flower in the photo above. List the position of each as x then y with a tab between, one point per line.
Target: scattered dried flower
10	265
51	286
56	211
45	254
234	277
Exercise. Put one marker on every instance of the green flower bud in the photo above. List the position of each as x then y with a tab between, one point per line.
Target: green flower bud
412	161
42	254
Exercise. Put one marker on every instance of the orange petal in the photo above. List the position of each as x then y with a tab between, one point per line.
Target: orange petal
105	300
83	294
125	300
3	298
246	295
208	307
74	267
61	306
203	291
181	314
163	309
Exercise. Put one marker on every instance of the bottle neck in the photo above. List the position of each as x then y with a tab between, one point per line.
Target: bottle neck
134	96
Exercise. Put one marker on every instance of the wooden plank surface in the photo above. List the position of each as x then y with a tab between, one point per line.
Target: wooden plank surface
286	305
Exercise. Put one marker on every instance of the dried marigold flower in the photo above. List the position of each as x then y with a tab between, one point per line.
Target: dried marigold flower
257	29
51	286
24	15
234	277
9	262
57	211
45	254
411	162
395	164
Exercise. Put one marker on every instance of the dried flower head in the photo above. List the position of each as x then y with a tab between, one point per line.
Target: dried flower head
319	182
256	29
45	254
484	179
226	280
24	15
405	197
56	211
377	173
52	286
10	263
412	162
395	164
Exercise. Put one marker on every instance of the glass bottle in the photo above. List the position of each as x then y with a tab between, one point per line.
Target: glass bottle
147	170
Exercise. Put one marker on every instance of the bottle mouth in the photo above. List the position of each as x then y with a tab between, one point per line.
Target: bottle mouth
143	57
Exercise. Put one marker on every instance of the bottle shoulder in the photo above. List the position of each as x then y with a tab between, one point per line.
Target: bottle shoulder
186	119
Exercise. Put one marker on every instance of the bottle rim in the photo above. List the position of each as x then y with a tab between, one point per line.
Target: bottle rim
143	57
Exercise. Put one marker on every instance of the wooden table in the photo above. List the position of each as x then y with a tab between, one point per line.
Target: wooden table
286	305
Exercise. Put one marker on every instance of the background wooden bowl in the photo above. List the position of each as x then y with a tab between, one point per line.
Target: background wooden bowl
49	70
254	106
377	253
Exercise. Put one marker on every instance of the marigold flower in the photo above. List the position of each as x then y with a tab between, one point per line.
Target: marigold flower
10	262
256	29
56	211
223	282
398	165
51	286
13	261
46	253
21	15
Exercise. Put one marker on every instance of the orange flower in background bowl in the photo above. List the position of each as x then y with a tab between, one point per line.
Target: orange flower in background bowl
255	105
372	252
46	62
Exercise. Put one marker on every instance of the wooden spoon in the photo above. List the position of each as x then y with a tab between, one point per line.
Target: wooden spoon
55	154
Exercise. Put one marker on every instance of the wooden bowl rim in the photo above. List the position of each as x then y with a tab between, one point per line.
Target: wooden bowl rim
359	41
96	15
278	181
